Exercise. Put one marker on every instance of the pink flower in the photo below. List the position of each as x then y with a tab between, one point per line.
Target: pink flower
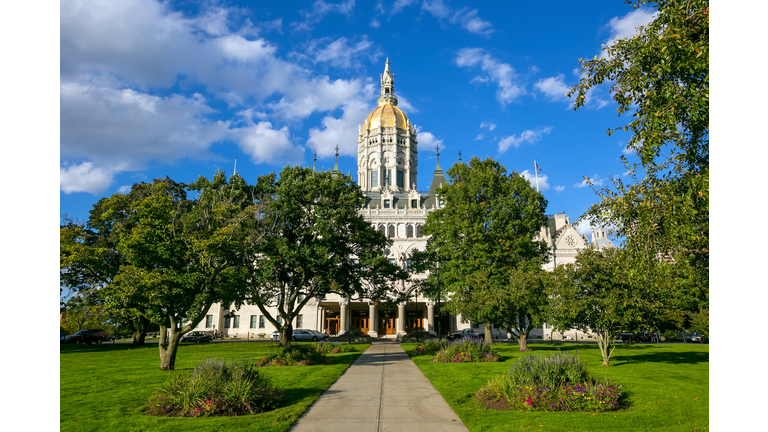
529	402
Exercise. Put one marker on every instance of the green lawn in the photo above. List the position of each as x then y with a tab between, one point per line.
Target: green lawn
667	384
104	388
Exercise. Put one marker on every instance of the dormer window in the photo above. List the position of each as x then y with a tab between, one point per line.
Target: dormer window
387	204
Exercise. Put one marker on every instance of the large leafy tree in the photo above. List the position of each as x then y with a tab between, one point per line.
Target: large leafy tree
484	232
595	296
318	245
180	248
660	78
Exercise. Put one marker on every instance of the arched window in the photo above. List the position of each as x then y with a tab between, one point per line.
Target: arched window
391	231
409	230
418	231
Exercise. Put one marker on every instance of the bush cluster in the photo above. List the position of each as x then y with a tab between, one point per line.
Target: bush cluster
334	347
215	387
429	345
465	350
556	382
295	355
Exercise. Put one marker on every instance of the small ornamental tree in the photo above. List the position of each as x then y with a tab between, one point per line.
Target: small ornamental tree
485	230
593	295
318	245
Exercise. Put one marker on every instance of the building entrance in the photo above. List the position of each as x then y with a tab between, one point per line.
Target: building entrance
388	326
413	323
361	323
331	326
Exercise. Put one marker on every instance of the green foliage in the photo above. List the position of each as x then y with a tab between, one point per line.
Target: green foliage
484	232
318	244
661	77
215	387
334	347
465	350
590	396
295	355
549	369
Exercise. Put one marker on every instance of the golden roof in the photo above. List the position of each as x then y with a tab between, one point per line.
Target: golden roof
386	116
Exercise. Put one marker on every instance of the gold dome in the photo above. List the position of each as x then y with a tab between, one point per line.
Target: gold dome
386	116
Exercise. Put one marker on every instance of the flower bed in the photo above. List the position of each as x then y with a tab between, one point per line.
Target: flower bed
429	345
295	355
465	350
215	388
558	382
334	347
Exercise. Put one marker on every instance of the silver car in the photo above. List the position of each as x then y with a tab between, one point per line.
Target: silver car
308	335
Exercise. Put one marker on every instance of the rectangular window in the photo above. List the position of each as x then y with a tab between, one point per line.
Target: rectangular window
300	321
387	204
227	321
301	298
374	178
389	177
253	320
236	322
414	203
279	320
400	178
391	261
262	321
208	321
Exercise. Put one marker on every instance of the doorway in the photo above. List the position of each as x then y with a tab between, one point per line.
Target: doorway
331	326
388	326
361	323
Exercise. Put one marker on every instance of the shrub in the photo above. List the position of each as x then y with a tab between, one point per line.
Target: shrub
334	347
558	382
429	345
465	350
215	387
295	355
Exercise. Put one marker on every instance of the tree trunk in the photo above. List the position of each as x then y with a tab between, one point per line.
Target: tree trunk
605	343
286	331
140	331
488	334
168	347
522	342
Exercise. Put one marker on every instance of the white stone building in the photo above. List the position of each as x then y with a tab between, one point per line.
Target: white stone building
387	167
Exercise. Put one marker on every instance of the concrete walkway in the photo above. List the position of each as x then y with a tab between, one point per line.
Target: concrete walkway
382	390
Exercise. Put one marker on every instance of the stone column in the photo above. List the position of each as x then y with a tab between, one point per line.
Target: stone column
431	317
343	327
372	320
400	319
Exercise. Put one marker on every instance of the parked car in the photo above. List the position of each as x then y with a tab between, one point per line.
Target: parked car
275	335
470	332
628	337
86	336
308	335
197	337
696	337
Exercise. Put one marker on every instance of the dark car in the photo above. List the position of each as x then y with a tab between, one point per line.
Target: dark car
696	337
196	336
629	337
308	335
466	333
86	336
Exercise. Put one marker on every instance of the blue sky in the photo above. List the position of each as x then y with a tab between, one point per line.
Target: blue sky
152	89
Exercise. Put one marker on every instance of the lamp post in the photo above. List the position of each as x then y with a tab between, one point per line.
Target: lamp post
438	300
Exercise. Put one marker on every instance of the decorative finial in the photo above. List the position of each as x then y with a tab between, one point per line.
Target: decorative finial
459	155
437	154
336	166
314	162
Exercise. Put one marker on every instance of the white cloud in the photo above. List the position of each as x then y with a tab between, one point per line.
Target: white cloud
626	173
553	87
595	181
405	105
529	136
542	181
585	227
319	10
342	131
267	145
124	189
428	141
399	5
375	23
479	137
466	18
501	73
489	125
626	26
559	188
84	178
342	54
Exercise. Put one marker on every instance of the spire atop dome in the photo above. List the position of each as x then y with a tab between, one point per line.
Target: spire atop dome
336	166
314	162
437	154
387	87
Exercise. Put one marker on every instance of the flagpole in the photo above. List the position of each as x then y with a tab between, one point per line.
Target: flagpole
536	172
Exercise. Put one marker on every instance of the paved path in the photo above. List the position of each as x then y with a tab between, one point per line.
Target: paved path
382	390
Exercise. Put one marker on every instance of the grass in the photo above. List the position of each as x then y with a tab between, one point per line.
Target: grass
667	384
105	388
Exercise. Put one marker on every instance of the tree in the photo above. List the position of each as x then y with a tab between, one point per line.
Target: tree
594	295
521	305
661	77
484	232
318	245
180	251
